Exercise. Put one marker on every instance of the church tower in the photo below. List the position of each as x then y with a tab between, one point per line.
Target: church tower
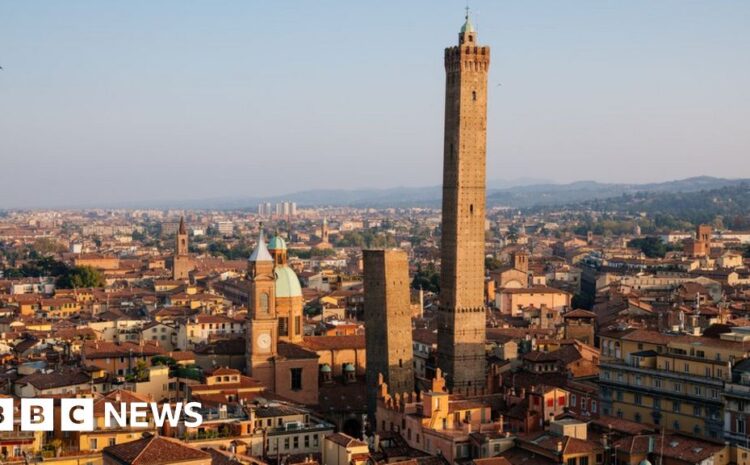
262	327
462	319
181	263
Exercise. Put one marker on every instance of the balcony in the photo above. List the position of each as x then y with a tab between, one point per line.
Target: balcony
307	428
672	375
737	390
18	435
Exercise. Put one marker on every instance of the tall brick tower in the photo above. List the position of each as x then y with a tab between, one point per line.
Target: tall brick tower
387	323
461	330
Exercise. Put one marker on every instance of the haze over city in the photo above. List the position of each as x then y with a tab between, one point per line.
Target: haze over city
158	101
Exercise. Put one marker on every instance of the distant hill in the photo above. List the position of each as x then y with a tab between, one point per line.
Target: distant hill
515	193
585	191
519	193
730	202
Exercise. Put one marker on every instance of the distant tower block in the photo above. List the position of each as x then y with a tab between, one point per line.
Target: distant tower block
387	323
462	318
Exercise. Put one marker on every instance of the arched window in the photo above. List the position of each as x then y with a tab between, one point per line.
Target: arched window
264	302
474	95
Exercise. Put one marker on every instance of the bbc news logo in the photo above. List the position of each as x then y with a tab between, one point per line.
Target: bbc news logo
78	414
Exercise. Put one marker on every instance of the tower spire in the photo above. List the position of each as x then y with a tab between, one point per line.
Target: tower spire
467	27
260	253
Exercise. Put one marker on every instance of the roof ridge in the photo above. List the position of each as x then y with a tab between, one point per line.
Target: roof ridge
149	441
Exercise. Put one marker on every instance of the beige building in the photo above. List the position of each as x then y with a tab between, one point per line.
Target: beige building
673	381
340	449
513	301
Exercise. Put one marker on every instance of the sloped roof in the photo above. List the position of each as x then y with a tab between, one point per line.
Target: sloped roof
154	450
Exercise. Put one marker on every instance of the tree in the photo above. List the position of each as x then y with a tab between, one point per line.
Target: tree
651	246
47	246
141	370
80	277
428	279
492	263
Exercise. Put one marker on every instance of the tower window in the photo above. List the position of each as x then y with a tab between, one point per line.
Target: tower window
471	208
264	302
474	95
296	379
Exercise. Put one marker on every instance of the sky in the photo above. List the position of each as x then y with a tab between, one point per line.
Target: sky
154	100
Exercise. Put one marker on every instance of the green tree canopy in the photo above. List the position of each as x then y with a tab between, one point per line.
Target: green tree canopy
651	246
80	277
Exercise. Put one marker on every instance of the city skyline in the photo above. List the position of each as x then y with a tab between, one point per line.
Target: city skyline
491	317
131	103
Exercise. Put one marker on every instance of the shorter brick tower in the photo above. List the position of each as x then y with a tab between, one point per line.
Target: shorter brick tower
387	323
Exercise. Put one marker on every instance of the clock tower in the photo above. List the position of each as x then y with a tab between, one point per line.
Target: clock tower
263	323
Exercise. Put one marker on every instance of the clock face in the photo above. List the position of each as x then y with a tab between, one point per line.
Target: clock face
264	341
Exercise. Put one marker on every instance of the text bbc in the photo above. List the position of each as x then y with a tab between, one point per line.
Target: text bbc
78	414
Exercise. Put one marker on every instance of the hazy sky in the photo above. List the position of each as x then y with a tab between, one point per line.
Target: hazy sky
108	101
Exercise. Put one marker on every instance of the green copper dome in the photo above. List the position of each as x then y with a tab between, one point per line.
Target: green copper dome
277	243
349	368
326	368
287	283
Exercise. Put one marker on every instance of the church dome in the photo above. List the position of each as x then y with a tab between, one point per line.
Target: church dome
644	462
277	243
287	283
349	368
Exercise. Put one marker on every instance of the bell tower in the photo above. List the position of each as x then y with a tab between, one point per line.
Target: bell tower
262	327
181	263
461	314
